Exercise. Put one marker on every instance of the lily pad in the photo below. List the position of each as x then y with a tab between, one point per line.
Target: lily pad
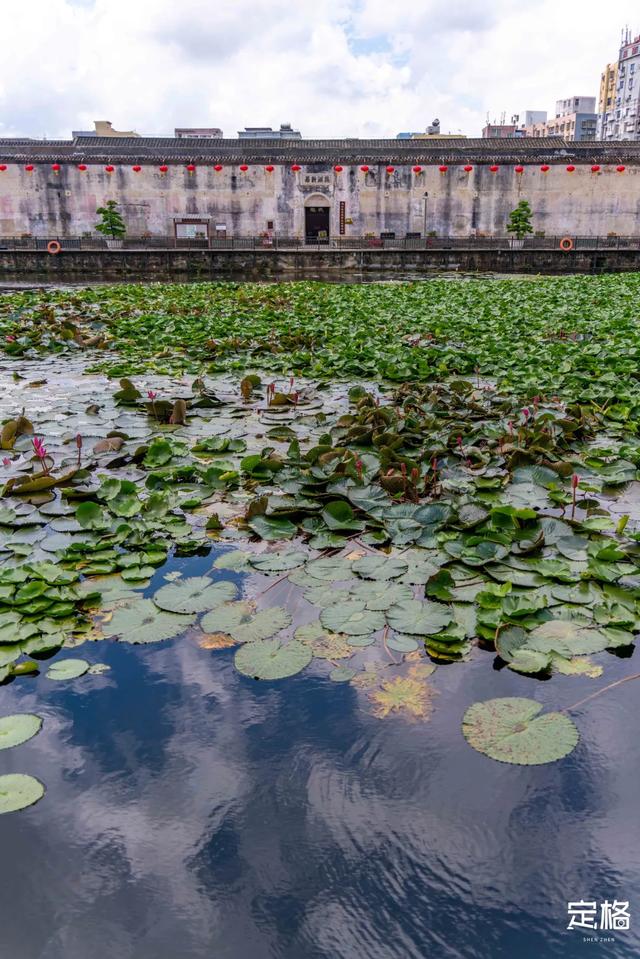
141	621
342	674
512	731
324	645
269	659
244	624
278	562
63	669
18	728
419	618
380	567
351	617
17	791
196	594
382	595
403	695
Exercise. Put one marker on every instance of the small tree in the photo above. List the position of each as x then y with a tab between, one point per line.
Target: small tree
111	223
520	220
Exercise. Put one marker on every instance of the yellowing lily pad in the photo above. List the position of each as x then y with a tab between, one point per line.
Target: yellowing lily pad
512	731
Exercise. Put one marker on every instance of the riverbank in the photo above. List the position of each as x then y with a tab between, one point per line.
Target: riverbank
268	263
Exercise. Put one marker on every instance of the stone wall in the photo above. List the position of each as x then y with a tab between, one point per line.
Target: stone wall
95	265
47	203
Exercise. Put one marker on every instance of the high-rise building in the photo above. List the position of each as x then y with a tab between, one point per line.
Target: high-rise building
621	119
575	119
607	98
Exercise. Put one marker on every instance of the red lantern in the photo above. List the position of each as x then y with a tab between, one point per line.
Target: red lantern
620	169
3	167
390	169
269	169
244	167
519	169
417	169
218	167
338	168
109	169
443	169
365	168
55	167
191	167
136	168
29	168
595	168
164	168
295	168
468	168
494	168
82	167
545	168
570	168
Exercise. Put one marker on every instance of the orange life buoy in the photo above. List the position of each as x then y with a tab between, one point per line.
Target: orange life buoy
53	247
566	244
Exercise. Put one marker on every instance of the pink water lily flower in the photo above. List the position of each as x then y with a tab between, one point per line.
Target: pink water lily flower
41	452
151	395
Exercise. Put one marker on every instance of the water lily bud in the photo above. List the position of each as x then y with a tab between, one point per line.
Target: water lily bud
79	441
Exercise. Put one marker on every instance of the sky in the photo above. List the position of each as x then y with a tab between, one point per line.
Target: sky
332	68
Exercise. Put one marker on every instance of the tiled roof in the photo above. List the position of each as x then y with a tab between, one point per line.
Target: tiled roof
211	150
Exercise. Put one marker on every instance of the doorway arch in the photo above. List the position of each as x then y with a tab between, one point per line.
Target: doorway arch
317	218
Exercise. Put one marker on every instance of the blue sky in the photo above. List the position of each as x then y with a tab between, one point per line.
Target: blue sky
363	68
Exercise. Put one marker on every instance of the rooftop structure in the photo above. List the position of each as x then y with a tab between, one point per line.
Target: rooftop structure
197	133
286	132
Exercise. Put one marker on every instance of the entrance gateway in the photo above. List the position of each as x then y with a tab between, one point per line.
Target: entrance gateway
317	219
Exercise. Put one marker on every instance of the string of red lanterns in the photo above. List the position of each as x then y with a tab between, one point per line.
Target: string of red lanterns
338	168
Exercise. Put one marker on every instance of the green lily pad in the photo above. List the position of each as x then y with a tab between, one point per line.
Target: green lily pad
235	559
380	567
18	728
381	595
278	562
17	791
329	569
419	618
141	621
63	669
242	623
268	659
342	674
403	644
273	527
351	617
196	594
512	731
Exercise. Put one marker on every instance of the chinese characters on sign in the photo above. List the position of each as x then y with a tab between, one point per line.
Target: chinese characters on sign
584	914
316	178
342	216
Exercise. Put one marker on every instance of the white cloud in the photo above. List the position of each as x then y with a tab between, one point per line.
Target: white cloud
350	68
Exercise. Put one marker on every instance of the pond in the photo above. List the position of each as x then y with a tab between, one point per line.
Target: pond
191	812
257	621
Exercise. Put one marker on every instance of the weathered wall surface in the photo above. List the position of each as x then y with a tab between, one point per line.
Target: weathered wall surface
456	203
94	265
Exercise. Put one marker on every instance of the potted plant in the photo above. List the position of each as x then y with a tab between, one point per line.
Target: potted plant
520	223
111	224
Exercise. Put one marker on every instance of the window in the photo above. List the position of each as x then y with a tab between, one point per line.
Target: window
269	224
